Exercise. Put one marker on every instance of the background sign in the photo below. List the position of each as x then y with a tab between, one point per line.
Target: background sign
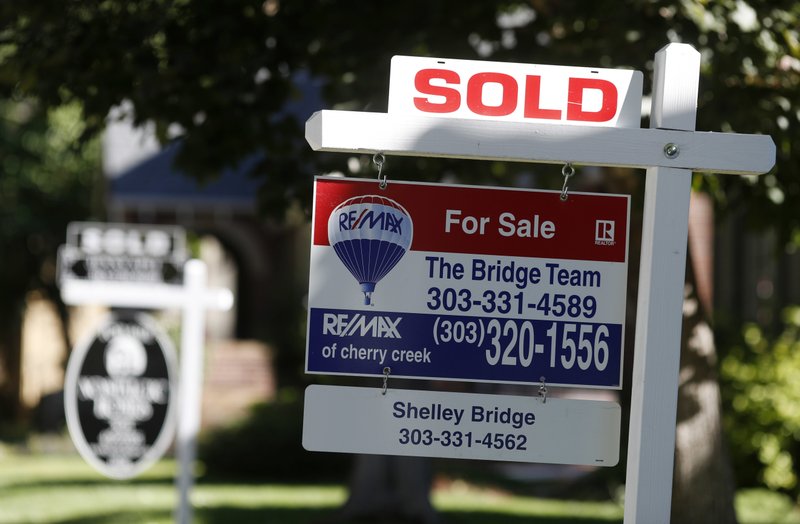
119	396
467	283
461	425
123	252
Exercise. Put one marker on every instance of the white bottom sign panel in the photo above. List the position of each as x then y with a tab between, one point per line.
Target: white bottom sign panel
461	425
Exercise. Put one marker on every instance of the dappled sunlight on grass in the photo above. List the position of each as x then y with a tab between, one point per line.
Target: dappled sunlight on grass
287	496
62	489
462	498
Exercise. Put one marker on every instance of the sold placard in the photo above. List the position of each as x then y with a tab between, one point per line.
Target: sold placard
481	89
107	252
468	283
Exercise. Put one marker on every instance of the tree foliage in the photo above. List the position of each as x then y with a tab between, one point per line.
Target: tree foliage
46	180
761	376
221	71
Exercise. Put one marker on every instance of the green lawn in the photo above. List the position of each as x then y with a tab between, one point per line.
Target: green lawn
62	489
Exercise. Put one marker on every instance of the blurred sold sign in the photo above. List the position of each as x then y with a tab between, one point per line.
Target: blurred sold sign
480	89
97	251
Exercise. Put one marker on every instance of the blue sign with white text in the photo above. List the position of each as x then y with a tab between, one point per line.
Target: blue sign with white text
464	348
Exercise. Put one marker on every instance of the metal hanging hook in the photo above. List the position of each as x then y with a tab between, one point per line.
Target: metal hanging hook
386	371
379	159
543	390
567	171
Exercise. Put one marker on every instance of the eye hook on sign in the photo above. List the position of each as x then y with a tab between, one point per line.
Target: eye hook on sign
386	371
379	159
567	171
543	390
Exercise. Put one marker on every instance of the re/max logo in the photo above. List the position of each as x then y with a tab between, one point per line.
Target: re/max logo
369	219
344	325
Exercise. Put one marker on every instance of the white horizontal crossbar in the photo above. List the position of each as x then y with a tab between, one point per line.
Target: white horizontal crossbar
362	132
142	295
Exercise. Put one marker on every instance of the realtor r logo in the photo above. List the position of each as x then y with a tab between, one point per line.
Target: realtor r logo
604	233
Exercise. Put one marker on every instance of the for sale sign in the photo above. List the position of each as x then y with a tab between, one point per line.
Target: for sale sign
467	283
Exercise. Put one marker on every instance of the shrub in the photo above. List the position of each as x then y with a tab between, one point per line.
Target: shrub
268	445
761	390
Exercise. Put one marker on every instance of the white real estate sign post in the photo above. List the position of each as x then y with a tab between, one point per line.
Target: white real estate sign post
193	298
670	151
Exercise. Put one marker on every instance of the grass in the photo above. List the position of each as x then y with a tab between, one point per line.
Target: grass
62	489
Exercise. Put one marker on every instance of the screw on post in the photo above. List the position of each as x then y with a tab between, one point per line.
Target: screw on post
671	151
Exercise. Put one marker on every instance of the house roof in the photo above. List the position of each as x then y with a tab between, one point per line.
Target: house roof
155	184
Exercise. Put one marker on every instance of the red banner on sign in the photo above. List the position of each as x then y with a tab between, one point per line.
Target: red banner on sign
496	221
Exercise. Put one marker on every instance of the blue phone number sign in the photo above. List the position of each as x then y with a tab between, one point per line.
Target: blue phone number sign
468	348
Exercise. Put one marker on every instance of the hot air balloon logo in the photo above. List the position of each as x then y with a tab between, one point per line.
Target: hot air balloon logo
370	235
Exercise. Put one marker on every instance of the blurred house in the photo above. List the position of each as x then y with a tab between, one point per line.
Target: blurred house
263	263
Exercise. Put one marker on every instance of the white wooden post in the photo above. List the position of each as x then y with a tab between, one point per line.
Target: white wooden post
651	444
191	383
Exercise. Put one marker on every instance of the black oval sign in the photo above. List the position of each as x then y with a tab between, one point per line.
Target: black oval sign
119	395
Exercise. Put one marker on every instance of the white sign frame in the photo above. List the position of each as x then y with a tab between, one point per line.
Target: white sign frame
670	151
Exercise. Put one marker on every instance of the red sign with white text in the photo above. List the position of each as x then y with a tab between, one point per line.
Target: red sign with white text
515	223
515	92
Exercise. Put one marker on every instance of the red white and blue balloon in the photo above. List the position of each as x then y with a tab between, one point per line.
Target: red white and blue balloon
370	234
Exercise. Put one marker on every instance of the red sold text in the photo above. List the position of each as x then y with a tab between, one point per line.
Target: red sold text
446	91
